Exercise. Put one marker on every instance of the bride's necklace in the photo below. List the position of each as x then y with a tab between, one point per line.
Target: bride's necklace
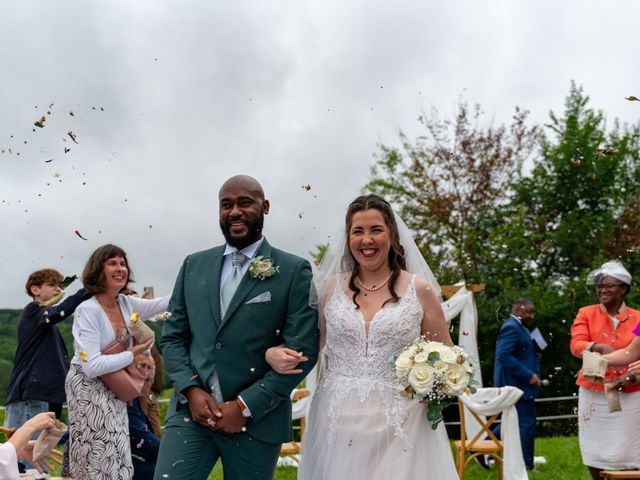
373	288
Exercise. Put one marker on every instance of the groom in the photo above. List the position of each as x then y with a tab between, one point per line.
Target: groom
229	305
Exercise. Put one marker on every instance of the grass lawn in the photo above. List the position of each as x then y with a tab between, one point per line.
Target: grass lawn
562	454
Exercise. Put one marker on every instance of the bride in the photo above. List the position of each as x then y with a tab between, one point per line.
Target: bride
372	305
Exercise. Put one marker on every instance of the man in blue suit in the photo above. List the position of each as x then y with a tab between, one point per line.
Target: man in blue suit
517	364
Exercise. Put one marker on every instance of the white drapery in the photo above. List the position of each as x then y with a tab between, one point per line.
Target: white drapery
462	303
489	401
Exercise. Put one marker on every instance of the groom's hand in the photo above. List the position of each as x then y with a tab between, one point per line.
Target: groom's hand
232	420
203	407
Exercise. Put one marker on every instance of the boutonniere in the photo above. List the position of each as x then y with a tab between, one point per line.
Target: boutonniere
262	268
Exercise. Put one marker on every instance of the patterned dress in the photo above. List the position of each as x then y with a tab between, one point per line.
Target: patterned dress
99	446
99	430
359	426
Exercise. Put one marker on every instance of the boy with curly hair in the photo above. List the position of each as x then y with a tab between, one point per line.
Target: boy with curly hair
41	362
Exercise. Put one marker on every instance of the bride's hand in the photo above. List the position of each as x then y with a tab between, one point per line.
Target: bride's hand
283	360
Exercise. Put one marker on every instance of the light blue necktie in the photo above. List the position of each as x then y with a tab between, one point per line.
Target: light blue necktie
232	281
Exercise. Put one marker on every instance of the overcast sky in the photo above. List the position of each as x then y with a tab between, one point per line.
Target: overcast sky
171	98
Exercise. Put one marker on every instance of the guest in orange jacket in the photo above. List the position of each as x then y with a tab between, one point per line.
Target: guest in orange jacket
607	440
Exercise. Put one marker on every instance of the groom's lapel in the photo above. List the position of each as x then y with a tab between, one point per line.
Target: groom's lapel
246	284
213	285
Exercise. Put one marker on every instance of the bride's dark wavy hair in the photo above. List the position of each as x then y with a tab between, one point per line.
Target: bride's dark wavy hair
396	259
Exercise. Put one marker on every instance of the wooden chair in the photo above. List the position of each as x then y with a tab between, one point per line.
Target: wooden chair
467	450
620	474
7	432
292	449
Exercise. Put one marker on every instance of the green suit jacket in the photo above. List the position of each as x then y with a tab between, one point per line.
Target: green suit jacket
195	339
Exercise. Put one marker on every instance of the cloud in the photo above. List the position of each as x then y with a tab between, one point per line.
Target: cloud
170	99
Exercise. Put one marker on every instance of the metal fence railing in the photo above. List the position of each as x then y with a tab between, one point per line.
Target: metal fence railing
569	398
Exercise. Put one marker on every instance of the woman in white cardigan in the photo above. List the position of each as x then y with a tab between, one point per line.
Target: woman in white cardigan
98	426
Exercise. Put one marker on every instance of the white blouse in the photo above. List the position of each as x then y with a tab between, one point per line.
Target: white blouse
8	461
92	331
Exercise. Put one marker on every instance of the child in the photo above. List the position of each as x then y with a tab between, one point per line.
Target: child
41	362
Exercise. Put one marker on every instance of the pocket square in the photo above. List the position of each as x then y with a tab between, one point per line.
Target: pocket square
263	297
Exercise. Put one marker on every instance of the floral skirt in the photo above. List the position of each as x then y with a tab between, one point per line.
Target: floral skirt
99	446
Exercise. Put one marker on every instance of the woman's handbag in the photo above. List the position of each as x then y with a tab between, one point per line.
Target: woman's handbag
127	382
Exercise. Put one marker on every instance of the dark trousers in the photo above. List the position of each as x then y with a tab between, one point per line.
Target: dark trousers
189	451
527	421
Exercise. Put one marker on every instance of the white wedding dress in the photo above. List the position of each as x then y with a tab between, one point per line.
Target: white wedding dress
359	427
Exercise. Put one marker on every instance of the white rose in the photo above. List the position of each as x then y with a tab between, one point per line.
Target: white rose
421	378
446	353
421	357
403	364
263	267
456	380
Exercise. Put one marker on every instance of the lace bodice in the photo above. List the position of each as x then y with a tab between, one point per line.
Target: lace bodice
354	353
362	361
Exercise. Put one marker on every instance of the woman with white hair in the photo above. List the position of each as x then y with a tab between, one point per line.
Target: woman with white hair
607	440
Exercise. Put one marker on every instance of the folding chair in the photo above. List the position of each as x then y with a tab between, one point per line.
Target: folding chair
477	445
7	432
292	449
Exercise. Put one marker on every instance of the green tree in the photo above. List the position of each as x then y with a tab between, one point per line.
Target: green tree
581	200
476	215
448	182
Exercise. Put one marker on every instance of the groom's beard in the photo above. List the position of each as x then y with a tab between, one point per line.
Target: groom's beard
254	232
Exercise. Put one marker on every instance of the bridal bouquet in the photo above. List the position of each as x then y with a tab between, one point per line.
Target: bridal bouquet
434	373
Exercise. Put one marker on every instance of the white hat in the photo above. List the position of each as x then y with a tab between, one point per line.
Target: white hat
611	269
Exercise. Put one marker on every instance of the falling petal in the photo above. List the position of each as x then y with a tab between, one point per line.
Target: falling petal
77	232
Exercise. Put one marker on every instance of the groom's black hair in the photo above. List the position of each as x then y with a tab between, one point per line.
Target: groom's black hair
396	258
